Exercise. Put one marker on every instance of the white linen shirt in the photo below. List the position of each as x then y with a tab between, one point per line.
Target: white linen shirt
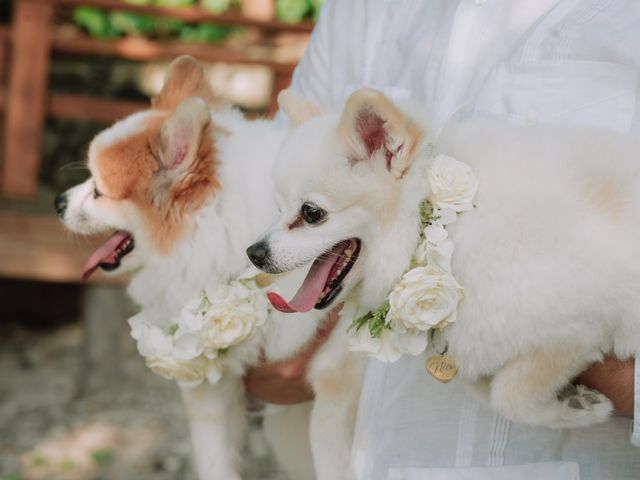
528	61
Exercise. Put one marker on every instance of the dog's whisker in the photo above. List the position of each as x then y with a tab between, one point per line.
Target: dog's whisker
74	166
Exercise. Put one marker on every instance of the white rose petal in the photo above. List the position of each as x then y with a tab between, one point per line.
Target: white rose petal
383	348
214	371
189	320
187	346
138	325
450	319
159	341
212	290
424	297
188	374
453	184
195	304
411	342
211	353
445	216
151	340
420	255
440	255
435	233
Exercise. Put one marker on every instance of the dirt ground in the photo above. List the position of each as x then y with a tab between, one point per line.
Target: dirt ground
132	429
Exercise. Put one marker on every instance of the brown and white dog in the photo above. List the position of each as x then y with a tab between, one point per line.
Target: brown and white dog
185	187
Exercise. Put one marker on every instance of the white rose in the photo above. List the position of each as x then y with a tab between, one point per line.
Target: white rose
236	310
424	298
226	326
189	373
453	184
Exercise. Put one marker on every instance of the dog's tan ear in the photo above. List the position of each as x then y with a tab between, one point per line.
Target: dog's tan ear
181	135
372	125
185	78
297	108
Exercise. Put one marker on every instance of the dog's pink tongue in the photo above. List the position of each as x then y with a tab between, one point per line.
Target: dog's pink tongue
103	253
308	293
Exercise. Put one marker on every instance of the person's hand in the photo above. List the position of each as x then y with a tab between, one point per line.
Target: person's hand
285	382
615	379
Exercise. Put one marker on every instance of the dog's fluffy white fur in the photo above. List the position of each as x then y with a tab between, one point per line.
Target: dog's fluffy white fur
548	259
210	246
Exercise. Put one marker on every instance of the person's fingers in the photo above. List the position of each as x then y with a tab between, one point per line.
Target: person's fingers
277	390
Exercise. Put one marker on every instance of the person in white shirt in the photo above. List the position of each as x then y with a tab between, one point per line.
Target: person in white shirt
526	61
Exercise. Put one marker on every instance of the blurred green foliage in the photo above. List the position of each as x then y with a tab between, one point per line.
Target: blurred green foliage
103	457
11	476
295	11
95	21
204	32
216	6
108	25
292	11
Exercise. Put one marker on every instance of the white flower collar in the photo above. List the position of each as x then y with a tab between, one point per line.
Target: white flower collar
427	296
193	348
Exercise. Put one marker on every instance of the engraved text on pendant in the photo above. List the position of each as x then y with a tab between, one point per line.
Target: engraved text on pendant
442	368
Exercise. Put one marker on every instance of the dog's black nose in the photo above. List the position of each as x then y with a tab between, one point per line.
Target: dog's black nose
61	204
258	253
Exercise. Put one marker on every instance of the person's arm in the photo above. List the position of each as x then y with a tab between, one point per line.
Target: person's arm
616	379
312	78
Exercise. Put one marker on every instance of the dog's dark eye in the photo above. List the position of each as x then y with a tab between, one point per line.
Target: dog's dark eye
312	213
96	192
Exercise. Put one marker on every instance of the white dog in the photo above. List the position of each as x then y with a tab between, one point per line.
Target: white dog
548	260
186	187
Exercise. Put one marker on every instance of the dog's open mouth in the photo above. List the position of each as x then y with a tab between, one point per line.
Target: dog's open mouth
108	255
324	280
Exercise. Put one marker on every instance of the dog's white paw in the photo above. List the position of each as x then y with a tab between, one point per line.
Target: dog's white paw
582	407
580	397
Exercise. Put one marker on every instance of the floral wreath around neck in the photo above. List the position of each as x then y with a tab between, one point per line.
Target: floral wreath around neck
194	346
427	296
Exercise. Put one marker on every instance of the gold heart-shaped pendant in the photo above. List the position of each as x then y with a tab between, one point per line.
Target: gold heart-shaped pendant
442	368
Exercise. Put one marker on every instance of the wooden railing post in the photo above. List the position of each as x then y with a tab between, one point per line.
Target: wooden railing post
4	47
26	96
